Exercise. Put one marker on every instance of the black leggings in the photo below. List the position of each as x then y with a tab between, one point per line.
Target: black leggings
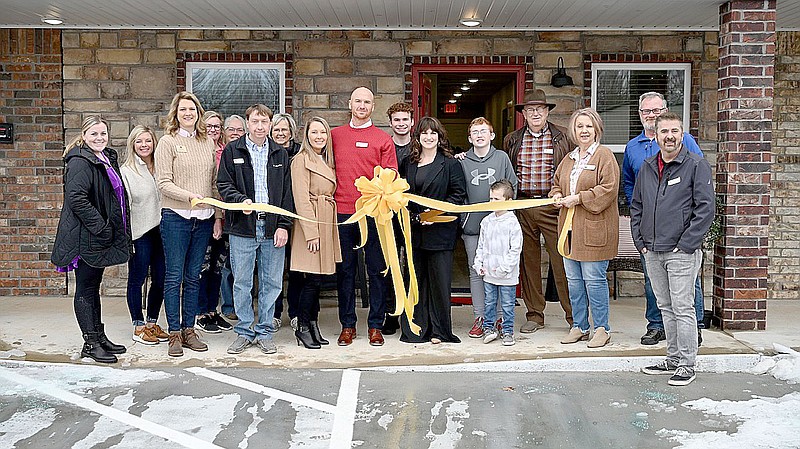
308	304
87	296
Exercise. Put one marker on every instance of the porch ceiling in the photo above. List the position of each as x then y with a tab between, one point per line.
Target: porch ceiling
381	14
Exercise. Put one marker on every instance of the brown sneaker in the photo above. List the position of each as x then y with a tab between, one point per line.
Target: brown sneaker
159	333
191	341
175	342
144	336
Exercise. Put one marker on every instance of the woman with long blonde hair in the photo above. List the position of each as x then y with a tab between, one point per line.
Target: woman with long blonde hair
93	231
138	174
185	170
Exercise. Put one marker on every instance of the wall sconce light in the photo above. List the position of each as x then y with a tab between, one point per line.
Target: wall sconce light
560	78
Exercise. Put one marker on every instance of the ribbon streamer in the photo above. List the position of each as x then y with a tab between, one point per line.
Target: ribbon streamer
564	247
382	197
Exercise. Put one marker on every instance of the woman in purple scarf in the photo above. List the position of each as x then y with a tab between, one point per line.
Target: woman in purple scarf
93	231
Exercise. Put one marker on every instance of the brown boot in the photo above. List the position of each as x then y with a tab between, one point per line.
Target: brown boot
175	342
191	341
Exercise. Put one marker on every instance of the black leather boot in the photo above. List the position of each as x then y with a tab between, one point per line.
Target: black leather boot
93	349
304	336
313	326
106	344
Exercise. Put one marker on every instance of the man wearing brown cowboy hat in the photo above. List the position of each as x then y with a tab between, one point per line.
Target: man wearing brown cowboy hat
535	151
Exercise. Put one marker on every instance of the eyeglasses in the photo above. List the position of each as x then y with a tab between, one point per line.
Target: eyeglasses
478	132
539	110
652	111
231	129
213	126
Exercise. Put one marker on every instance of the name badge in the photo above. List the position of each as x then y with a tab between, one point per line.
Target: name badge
590	167
674	181
277	165
548	151
181	149
362	145
238	160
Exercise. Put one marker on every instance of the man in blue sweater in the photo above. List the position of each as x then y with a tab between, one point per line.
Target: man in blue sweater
641	147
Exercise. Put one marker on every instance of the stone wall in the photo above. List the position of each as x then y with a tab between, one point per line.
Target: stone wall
784	210
30	169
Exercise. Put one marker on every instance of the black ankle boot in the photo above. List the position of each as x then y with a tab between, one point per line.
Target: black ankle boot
106	344
313	326
304	336
93	349
391	324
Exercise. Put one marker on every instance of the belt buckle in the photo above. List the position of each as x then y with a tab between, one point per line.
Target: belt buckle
261	215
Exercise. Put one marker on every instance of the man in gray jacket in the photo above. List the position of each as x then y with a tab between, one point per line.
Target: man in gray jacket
671	210
483	165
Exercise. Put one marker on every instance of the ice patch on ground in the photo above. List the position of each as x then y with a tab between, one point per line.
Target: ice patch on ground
455	414
784	366
12	353
83	378
312	428
25	424
385	420
209	415
252	429
765	423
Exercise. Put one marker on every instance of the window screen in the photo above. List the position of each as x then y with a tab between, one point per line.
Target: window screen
230	88
616	89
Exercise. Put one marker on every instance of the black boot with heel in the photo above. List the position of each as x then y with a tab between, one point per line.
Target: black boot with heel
313	326
303	335
94	350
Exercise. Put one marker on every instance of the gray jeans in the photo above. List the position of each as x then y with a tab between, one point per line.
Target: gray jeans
672	275
475	280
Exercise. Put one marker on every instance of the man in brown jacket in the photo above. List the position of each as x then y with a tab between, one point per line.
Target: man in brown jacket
535	151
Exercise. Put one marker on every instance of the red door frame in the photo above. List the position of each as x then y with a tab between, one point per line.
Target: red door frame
417	70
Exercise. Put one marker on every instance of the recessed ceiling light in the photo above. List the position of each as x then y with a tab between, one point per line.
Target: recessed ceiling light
452	100
52	21
464	88
457	94
473	80
470	21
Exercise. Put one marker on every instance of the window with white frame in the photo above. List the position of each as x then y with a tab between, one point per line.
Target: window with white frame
616	88
232	87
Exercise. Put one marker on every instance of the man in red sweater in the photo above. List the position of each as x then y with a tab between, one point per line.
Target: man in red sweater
358	147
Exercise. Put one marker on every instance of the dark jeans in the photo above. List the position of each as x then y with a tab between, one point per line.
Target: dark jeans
148	255
211	276
87	296
293	287
185	244
349	238
308	306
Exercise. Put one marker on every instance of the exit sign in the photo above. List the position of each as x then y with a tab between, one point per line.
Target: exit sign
451	108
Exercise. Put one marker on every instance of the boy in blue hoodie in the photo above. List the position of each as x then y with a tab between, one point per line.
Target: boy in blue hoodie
483	165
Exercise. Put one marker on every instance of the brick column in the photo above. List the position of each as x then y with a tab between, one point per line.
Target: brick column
745	92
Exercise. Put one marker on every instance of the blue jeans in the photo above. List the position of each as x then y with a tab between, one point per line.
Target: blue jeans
226	288
148	255
244	251
508	298
185	244
349	238
651	312
588	288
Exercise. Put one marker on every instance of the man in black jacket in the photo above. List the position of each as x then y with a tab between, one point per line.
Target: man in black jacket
671	210
254	169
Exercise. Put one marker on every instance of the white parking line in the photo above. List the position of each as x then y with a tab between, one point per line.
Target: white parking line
267	391
118	415
345	417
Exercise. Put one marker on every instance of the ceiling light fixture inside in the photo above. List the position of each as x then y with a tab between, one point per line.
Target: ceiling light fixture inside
52	21
473	80
464	88
452	100
457	94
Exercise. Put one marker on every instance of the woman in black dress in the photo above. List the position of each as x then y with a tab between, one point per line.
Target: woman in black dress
431	171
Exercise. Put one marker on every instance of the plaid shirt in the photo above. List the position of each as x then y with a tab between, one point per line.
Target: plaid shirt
580	164
259	155
535	163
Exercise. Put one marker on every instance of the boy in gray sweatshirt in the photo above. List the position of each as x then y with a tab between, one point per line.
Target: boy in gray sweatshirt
483	165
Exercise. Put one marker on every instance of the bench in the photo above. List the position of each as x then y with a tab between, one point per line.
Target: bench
627	255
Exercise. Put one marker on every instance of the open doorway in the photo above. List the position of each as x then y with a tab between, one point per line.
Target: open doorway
456	94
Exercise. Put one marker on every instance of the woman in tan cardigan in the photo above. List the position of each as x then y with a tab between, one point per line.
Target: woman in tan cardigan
315	246
588	181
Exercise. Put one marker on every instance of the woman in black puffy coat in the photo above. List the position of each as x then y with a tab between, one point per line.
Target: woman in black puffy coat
93	231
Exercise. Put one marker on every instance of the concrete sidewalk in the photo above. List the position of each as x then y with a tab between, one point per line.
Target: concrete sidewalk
44	329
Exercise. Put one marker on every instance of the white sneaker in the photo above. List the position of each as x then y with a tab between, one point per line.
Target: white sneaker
508	340
293	323
490	335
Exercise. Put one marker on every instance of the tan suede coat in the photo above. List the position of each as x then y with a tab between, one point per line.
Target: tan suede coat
595	227
313	184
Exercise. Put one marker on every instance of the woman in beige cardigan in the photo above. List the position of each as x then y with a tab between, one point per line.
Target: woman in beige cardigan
588	181
315	246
